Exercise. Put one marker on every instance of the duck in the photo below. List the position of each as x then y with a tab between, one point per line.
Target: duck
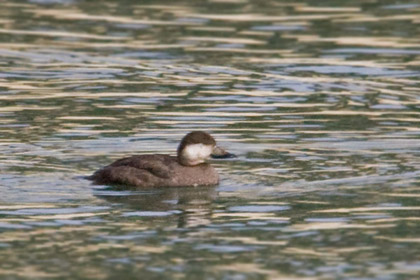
189	168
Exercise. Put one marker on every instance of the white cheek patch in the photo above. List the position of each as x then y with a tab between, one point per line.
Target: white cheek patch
197	152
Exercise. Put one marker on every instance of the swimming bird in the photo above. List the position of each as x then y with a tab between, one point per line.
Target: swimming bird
188	168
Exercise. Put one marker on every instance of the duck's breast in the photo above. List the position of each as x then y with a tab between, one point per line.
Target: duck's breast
202	174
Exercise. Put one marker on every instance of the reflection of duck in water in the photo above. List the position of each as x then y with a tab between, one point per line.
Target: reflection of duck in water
183	207
188	168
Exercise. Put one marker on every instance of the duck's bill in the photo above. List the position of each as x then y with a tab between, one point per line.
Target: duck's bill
221	153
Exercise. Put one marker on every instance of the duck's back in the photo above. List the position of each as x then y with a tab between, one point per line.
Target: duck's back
147	171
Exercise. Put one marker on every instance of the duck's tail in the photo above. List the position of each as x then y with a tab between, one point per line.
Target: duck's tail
90	177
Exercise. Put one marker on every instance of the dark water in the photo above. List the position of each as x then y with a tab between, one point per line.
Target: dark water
320	100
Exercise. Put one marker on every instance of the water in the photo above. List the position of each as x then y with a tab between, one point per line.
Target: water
320	101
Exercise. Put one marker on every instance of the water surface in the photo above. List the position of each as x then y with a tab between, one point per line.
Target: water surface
320	101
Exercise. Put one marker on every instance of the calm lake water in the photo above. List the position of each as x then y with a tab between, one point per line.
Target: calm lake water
319	100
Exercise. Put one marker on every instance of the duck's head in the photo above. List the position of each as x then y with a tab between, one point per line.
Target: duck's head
197	146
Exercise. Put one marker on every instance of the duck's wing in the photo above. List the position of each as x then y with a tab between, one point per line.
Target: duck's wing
158	165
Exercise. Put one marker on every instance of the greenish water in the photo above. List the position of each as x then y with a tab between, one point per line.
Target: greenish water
319	100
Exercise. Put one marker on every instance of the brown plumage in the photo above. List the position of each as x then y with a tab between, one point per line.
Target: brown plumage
145	171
